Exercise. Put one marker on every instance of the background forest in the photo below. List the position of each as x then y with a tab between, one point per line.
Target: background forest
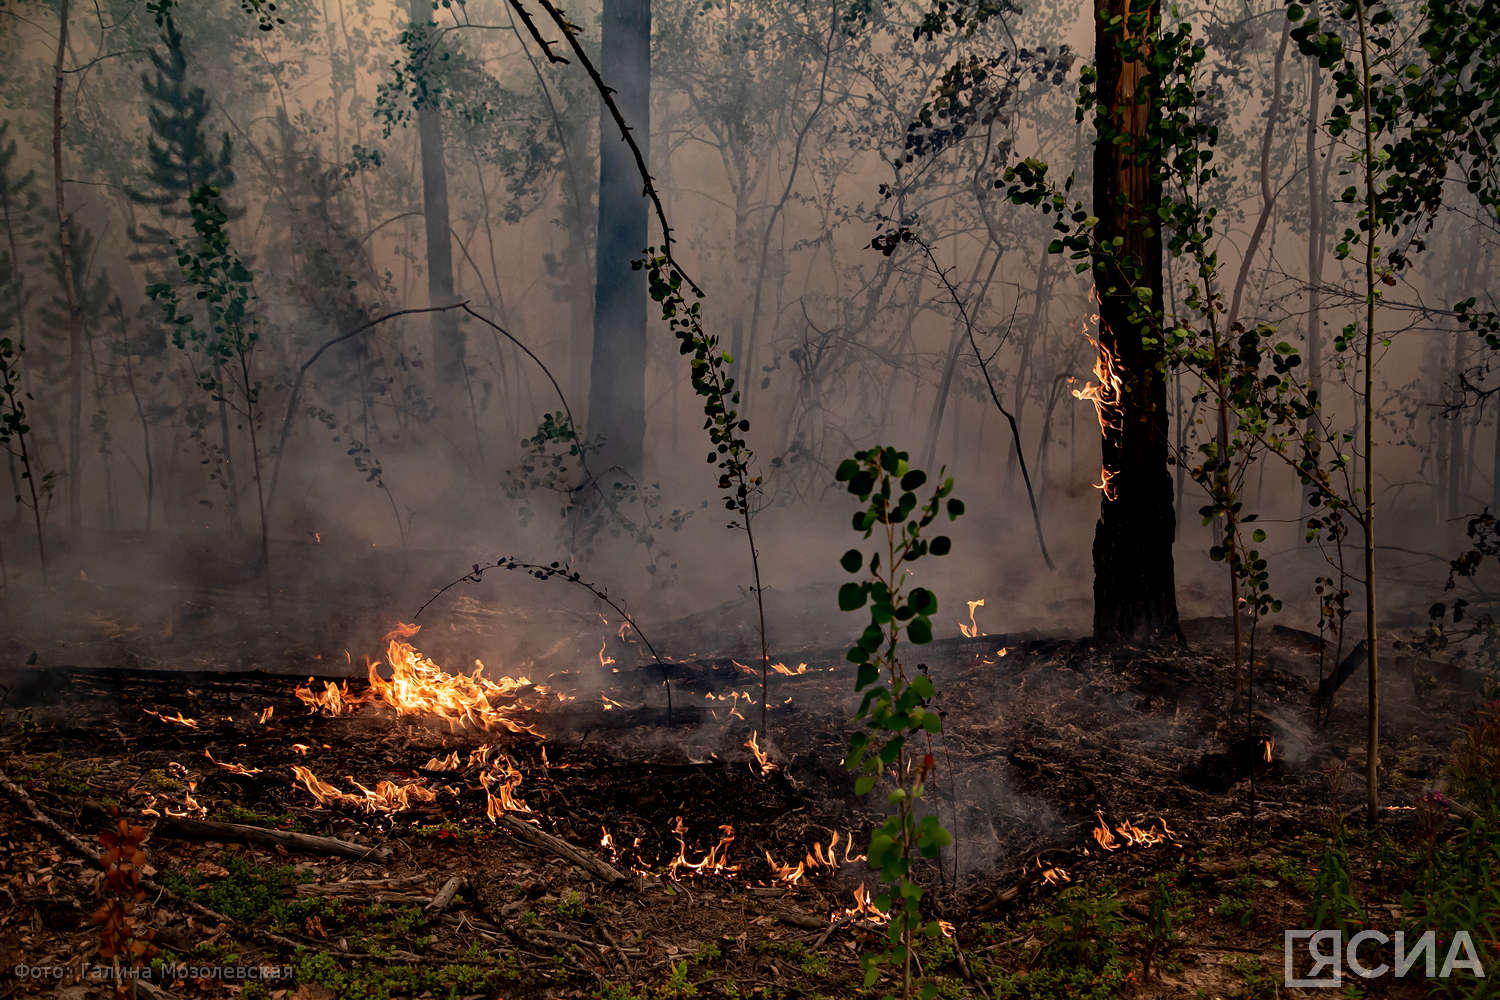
372	159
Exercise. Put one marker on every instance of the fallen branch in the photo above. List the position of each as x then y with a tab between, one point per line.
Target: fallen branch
78	846
445	894
47	823
1345	670
197	829
598	868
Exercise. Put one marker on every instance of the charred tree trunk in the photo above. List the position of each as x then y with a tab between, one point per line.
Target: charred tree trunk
447	338
617	374
1134	586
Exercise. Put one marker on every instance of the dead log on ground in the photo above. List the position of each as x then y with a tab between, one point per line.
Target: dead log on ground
197	829
597	867
445	894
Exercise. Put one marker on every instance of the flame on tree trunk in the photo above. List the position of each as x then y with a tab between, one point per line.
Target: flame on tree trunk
1134	589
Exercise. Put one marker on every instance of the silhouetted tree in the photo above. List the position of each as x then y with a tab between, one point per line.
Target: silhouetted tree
181	156
447	339
617	376
1134	589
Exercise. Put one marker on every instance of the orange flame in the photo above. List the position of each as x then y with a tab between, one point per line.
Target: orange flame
1268	749
333	701
715	862
786	873
971	630
862	908
1104	394
448	763
1130	834
500	789
1053	874
766	765
386	797
239	769
418	686
175	719
820	858
266	713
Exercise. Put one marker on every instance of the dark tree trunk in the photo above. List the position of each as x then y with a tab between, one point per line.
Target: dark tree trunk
1317	192
1134	589
447	338
617	375
75	323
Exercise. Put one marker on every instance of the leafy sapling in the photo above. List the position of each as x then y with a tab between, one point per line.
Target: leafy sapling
895	706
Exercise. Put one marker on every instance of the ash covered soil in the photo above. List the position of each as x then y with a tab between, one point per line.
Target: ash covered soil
737	877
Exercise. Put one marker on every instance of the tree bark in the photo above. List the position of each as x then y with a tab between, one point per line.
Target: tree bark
1367	496
1134	585
1317	193
75	326
617	373
447	338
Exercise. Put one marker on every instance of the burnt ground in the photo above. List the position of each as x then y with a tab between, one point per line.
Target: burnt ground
1042	743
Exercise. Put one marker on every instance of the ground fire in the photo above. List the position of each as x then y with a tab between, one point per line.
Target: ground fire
519	501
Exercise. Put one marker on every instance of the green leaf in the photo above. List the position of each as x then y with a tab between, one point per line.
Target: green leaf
919	631
892	750
852	560
851	597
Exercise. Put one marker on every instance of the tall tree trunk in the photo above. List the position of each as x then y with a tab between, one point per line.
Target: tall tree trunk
1455	423
1367	494
226	460
1317	194
617	374
1455	431
1494	465
75	325
447	338
1134	586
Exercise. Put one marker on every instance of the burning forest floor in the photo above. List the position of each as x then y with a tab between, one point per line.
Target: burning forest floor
409	832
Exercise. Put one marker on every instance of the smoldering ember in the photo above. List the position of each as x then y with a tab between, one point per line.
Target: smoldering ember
665	499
